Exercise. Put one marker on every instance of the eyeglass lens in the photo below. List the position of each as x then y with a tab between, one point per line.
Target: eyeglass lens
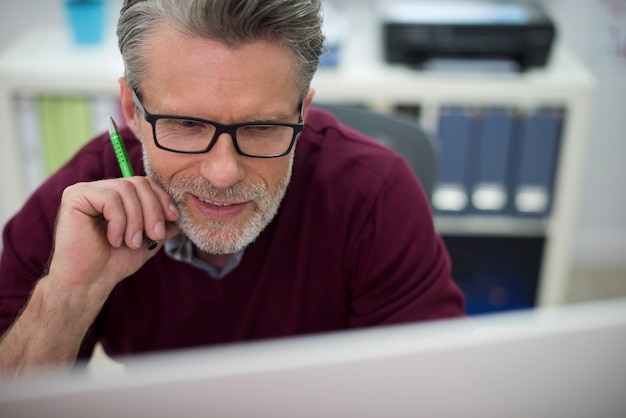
194	136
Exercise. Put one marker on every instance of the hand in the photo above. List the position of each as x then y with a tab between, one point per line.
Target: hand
99	235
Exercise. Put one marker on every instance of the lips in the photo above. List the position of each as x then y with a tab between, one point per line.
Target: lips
218	210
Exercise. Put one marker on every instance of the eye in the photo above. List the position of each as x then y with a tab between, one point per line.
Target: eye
182	128
189	124
259	129
263	127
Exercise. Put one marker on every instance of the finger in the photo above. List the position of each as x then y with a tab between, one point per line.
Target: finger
171	230
129	194
115	215
96	202
155	206
134	208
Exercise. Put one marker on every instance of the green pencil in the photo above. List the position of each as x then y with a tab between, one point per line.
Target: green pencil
124	162
120	149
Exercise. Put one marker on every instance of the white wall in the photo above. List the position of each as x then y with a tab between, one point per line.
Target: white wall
584	26
601	236
16	16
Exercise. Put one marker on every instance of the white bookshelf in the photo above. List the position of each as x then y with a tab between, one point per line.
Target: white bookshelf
45	61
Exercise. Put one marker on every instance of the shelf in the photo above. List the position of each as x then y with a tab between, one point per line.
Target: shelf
490	225
45	61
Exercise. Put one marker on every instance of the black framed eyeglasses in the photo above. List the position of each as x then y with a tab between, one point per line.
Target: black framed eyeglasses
189	135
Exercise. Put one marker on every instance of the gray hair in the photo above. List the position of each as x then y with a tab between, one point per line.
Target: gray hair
297	24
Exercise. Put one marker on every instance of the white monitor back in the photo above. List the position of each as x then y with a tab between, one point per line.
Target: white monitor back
558	362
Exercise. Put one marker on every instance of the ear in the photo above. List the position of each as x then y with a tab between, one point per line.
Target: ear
306	103
128	106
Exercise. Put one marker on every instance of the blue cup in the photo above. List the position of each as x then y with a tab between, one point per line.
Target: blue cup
87	19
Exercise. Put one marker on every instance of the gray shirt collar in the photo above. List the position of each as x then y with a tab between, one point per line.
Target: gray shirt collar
180	248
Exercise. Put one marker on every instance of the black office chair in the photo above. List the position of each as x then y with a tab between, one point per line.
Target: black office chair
399	133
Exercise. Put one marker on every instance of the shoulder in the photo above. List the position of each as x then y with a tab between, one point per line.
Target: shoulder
342	172
323	129
96	159
338	150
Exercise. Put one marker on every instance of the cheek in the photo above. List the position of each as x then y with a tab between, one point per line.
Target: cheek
168	166
277	172
162	163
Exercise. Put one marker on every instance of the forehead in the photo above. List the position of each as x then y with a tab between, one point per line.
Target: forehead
184	70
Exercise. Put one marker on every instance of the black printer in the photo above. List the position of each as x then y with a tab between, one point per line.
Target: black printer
418	31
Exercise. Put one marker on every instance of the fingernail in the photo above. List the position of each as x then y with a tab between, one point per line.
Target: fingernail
159	229
174	209
138	239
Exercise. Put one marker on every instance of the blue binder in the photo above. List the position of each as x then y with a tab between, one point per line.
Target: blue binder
537	165
490	191
457	129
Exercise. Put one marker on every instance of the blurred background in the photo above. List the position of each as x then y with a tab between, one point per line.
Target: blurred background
595	31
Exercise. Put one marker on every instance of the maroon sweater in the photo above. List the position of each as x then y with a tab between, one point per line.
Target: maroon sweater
352	245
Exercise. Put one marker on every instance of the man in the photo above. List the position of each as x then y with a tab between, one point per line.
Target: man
258	237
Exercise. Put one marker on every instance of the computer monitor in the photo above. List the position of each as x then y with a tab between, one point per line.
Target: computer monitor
553	362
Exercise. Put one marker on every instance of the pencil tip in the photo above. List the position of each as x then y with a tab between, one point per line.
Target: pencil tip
112	124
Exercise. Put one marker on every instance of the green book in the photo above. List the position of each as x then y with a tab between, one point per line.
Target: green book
50	115
66	126
76	124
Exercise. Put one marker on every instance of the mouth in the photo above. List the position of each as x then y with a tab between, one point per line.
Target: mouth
214	203
219	210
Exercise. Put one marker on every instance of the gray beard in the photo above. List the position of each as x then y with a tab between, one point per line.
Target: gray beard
218	236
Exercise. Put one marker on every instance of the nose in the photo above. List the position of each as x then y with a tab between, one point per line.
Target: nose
221	165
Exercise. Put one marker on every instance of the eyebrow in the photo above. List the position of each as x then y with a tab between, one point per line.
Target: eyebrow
261	119
272	118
